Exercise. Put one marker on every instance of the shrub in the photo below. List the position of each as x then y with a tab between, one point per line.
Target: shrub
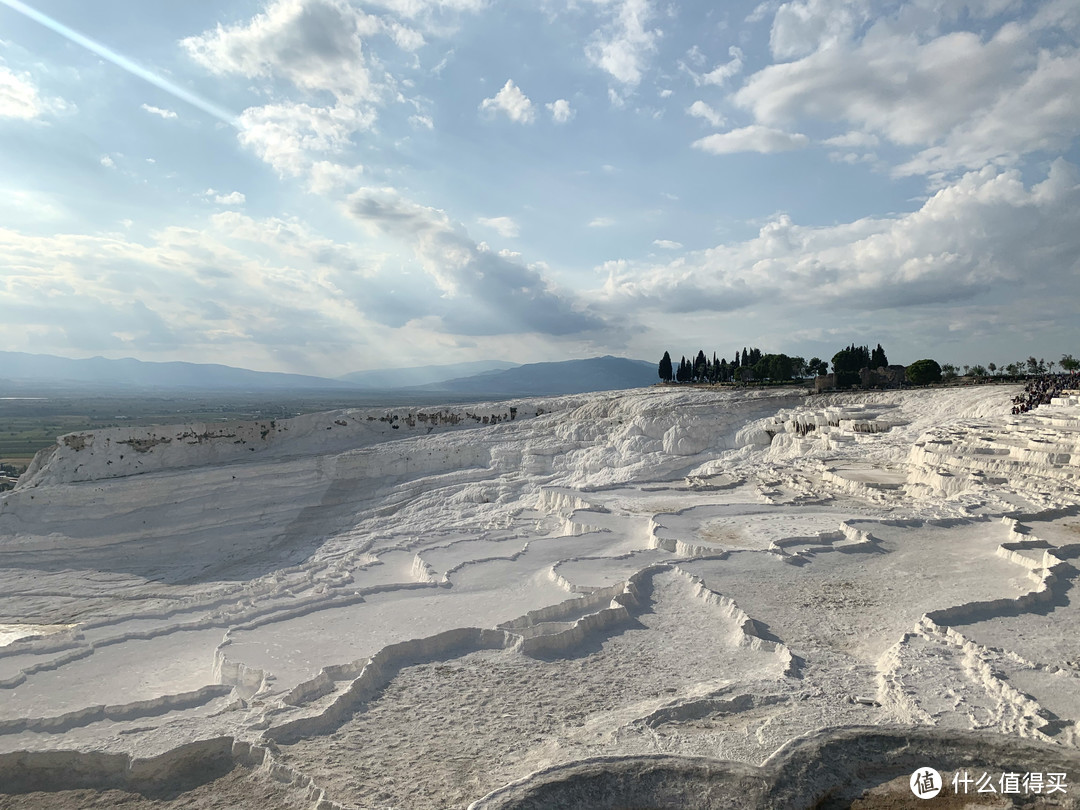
923	372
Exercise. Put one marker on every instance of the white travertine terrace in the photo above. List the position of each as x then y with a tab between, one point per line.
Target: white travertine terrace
502	604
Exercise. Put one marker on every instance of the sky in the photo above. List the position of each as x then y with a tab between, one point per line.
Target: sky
327	186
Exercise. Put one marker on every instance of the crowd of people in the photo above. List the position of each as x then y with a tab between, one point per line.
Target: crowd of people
1040	390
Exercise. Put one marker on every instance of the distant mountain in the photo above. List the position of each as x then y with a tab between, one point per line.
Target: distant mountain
130	373
18	369
385	379
567	377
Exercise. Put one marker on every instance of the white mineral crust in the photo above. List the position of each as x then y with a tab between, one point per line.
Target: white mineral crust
416	607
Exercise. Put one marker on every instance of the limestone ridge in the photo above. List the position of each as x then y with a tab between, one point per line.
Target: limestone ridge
124	451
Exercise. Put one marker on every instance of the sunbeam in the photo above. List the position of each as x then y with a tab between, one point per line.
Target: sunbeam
124	63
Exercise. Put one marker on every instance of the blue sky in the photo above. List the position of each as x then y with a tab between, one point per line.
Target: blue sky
325	186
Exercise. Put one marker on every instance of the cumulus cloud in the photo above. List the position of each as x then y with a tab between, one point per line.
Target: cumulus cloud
983	236
325	176
911	94
289	136
1036	116
560	111
19	97
699	109
107	162
159	111
483	293
315	44
963	99
802	26
753	138
623	45
511	101
321	47
232	198
504	226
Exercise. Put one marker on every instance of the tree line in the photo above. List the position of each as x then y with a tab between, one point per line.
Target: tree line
1031	367
746	365
751	364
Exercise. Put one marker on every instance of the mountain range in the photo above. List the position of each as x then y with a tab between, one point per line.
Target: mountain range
567	377
21	371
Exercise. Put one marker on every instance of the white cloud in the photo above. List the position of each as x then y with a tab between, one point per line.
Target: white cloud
290	136
504	226
418	8
438	69
913	94
263	286
763	10
696	56
107	162
986	236
665	93
408	39
19	97
699	109
601	222
965	99
560	111
721	73
422	121
159	111
1042	114
325	176
753	138
318	46
623	46
854	140
232	198
513	102
667	244
315	44
803	26
483	292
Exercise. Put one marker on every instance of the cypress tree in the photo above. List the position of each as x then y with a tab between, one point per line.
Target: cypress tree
700	366
665	368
